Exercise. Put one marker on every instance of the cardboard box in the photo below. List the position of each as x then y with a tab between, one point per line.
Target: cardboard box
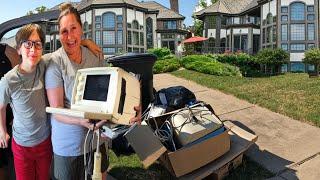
180	162
225	170
241	140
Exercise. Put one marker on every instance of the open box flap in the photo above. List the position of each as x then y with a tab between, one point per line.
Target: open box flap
145	143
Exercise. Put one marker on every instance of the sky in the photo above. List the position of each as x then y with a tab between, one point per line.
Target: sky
17	8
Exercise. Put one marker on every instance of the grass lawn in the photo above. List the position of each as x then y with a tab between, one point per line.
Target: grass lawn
129	167
294	95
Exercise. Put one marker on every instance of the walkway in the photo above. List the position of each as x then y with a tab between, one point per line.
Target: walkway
286	147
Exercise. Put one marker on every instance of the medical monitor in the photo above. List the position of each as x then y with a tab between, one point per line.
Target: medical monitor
103	93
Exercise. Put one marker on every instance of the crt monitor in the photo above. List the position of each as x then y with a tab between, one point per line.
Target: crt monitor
103	93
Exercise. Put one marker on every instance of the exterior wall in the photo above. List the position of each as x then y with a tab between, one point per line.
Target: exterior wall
135	15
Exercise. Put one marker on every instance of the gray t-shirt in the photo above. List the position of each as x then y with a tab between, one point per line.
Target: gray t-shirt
67	139
26	95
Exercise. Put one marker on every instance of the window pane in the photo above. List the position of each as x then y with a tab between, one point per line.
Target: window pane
108	20
297	67
135	25
297	47
310	8
119	19
311	32
311	45
135	38
98	25
284	9
141	39
98	37
98	18
284	32
108	37
297	31
297	11
284	47
284	18
109	50
129	37
129	25
119	35
310	17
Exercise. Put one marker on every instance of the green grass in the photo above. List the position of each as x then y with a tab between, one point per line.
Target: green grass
294	95
130	167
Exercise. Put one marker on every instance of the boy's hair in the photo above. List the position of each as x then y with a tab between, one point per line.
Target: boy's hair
67	8
25	32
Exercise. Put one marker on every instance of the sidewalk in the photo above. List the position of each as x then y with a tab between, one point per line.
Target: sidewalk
286	147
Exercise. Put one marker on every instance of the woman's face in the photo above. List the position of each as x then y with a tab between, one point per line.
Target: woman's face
31	49
70	34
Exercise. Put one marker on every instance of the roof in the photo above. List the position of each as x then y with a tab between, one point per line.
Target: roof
85	3
195	39
164	12
229	7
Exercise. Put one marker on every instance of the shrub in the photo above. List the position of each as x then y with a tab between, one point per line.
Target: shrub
312	56
166	65
272	59
207	65
160	52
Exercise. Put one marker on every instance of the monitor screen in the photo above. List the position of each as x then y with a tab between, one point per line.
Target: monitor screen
96	88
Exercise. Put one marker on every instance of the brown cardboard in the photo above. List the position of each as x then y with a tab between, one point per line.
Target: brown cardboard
182	161
241	140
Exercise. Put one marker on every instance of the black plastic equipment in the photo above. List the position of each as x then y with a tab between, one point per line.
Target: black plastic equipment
141	64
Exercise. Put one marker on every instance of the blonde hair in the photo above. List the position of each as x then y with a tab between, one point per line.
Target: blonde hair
67	8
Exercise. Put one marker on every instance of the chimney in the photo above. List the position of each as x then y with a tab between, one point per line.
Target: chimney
174	5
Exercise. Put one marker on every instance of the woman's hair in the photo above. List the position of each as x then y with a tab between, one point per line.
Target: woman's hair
25	32
67	8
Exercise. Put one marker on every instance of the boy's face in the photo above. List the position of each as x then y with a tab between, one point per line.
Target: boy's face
31	49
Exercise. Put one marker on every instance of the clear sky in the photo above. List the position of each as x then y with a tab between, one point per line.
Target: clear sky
17	8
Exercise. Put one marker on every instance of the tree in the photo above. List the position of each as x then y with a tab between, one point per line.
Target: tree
312	56
272	59
37	10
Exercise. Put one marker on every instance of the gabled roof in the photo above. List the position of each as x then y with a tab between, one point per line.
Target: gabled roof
229	7
164	12
85	3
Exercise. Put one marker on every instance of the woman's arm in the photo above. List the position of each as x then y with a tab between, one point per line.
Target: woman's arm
93	47
55	97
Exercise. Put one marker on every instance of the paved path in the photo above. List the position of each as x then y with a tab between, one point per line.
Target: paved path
286	147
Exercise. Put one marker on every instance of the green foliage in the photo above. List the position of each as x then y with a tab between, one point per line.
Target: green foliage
38	10
312	56
161	53
166	65
198	27
207	65
272	56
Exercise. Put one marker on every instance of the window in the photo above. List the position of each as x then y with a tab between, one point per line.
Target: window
284	32
310	8
98	18
108	37
108	20
284	9
284	47
236	20
211	22
269	18
98	25
109	50
85	26
119	36
119	22
311	32
141	39
263	35
310	17
135	25
297	47
129	25
297	31
284	18
269	34
135	39
129	37
311	45
297	11
149	32
297	67
274	34
170	24
98	37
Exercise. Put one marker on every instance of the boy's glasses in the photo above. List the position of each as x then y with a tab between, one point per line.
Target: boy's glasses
28	44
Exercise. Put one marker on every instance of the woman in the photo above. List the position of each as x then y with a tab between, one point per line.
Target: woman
23	88
68	133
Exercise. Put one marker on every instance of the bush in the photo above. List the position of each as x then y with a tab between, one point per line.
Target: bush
207	65
272	59
245	62
161	53
166	65
312	56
